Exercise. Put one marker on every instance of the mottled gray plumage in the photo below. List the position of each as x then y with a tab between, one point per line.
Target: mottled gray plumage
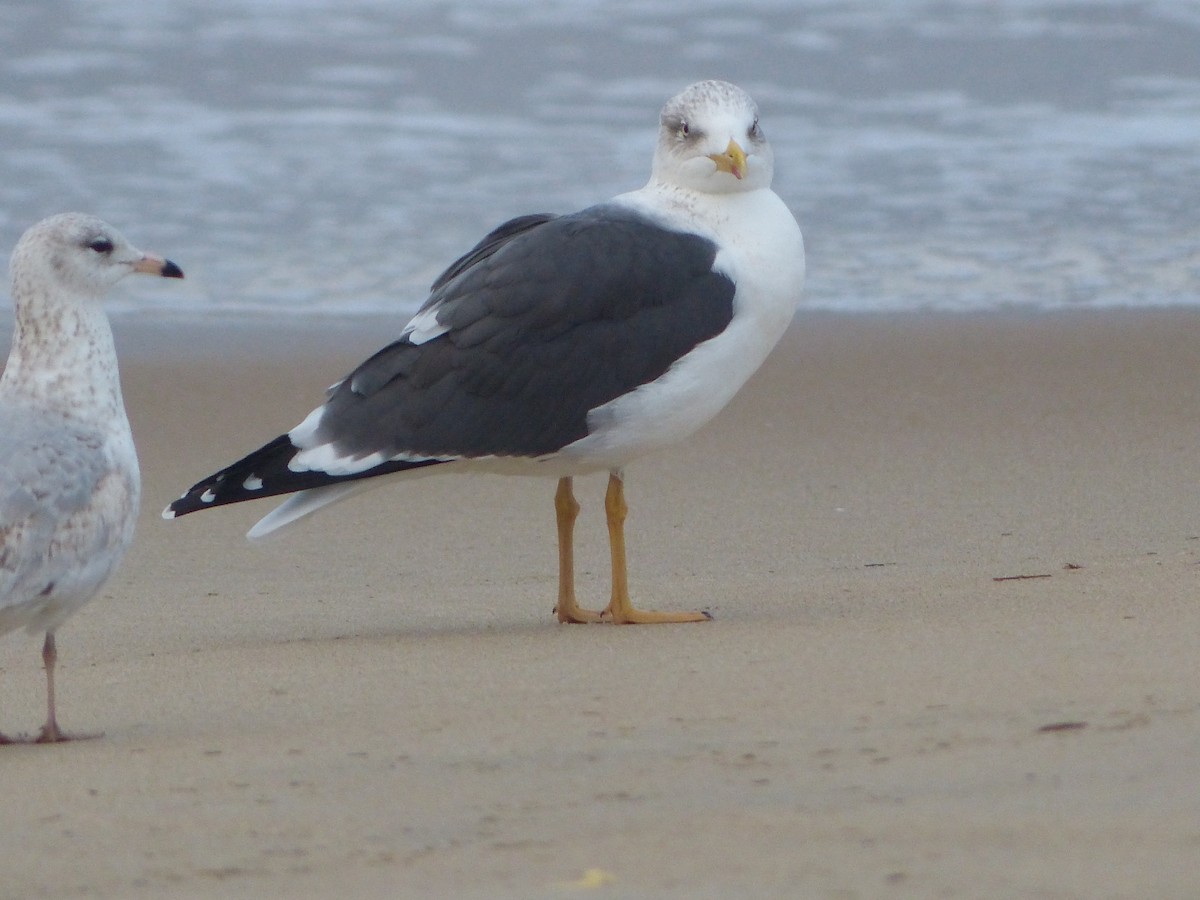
69	480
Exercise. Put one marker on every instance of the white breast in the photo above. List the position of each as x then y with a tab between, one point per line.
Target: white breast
763	252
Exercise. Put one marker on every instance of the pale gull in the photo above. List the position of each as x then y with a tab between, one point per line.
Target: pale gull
561	345
69	480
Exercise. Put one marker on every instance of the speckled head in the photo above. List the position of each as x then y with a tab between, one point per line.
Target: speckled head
710	141
79	255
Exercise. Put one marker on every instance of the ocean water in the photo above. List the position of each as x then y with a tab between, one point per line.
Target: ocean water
331	156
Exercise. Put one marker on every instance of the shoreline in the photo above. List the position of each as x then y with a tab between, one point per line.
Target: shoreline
269	329
380	702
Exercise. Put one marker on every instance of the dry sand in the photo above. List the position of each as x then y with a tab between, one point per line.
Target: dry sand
381	705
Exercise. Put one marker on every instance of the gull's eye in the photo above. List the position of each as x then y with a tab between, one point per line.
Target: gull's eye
677	126
101	245
755	131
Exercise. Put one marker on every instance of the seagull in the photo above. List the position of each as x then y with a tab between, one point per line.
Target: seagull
69	480
564	345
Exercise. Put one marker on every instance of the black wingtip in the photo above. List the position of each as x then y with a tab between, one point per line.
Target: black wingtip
195	499
263	473
170	270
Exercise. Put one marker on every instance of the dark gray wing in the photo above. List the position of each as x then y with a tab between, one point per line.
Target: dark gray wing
556	319
493	241
545	319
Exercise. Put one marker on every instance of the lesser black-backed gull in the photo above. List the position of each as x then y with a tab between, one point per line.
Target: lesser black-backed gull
561	345
69	481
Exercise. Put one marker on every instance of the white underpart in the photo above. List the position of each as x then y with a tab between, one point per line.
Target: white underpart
763	253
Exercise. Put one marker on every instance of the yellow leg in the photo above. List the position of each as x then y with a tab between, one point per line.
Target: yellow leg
567	509
620	609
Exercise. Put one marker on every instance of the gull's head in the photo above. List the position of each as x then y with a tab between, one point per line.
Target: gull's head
709	140
81	255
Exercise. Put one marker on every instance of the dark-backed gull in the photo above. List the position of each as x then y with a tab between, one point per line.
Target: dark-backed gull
561	345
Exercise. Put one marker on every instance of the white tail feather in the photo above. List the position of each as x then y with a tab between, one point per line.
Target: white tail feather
305	503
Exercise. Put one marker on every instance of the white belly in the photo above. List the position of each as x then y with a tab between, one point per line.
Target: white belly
764	255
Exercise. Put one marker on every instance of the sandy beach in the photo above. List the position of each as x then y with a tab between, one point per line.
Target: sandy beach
952	564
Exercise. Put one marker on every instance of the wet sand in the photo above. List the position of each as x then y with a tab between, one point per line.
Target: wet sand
952	562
